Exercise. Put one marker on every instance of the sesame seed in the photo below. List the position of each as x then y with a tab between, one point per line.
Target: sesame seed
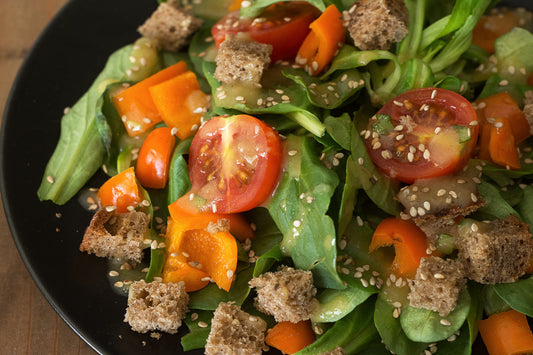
503	83
113	273
292	152
397	103
433	94
119	284
147	120
473	197
439	276
358	274
229	274
445	322
441	192
397	304
202	324
437	130
396	312
297	223
364	283
50	179
427	205
386	154
342	244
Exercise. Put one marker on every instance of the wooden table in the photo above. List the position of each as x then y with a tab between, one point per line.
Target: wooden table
28	324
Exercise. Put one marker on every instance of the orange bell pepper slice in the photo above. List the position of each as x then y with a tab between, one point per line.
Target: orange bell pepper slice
121	190
153	163
502	147
180	103
322	43
409	242
490	27
135	104
291	337
506	333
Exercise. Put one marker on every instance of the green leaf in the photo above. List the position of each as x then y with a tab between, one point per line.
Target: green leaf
197	336
391	330
258	6
493	302
514	49
423	325
299	209
352	332
340	129
178	176
526	207
495	206
518	295
336	304
80	150
210	296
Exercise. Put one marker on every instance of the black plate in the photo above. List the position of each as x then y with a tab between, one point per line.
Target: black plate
60	67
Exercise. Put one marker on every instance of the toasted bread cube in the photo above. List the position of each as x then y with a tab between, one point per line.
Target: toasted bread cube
116	235
376	24
156	306
437	285
241	60
234	331
171	25
287	294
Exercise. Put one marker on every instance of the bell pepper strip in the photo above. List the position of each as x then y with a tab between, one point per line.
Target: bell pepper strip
290	337
490	27
409	242
235	5
322	43
135	104
122	191
484	139
506	333
184	212
502	147
212	250
180	103
153	163
503	105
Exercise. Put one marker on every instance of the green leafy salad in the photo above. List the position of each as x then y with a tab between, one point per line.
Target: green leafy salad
381	146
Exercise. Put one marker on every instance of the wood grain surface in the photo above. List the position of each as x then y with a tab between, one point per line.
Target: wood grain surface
28	324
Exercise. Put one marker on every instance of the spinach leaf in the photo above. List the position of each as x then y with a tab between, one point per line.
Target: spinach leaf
391	330
352	332
493	302
178	176
423	325
80	150
379	188
299	209
210	296
340	129
514	49
458	343
336	304
258	6
281	96
495	206
525	207
518	295
197	336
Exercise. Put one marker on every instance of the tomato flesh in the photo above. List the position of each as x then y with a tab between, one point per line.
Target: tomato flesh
433	133
283	25
234	163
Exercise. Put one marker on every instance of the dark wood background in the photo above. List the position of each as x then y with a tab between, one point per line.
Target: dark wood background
28	324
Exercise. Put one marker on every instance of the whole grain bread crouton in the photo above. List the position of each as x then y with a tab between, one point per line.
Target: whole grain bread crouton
234	331
287	294
437	285
376	24
117	235
494	252
171	25
241	60
156	306
528	109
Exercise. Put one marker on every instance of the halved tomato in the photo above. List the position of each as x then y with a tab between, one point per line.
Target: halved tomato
234	163
422	133
284	25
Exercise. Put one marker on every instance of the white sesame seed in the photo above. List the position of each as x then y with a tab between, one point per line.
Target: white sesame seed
229	274
364	283
445	322
202	324
439	276
50	179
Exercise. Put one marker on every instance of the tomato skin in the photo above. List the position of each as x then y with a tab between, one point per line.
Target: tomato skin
445	109
154	158
234	163
285	37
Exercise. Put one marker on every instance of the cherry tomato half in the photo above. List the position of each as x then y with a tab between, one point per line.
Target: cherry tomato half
234	163
422	133
283	25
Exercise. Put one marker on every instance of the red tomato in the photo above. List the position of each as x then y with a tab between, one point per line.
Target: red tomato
153	163
432	132
283	25
234	163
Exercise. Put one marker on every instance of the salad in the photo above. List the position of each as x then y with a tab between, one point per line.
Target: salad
396	170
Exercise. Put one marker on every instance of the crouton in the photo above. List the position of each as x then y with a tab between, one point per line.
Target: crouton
241	60
437	285
171	25
528	109
494	252
234	331
156	306
116	235
286	294
434	203
376	24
